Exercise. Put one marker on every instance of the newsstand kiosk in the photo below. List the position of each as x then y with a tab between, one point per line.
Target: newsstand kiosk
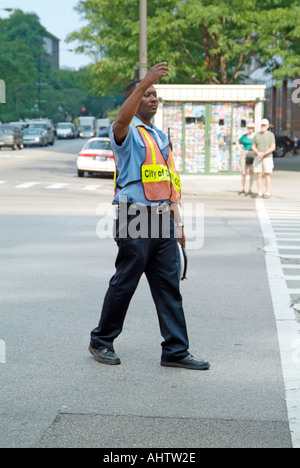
204	121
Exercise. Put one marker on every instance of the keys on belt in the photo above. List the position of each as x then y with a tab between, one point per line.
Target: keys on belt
162	209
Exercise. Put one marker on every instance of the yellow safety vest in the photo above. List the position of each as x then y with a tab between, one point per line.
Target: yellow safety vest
160	178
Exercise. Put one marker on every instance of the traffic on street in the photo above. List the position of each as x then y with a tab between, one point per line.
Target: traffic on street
53	273
149	227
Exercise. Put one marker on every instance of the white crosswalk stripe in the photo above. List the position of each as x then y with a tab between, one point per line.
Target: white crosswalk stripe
284	279
27	185
92	187
284	217
55	186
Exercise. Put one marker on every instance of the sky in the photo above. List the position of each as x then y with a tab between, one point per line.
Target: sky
59	18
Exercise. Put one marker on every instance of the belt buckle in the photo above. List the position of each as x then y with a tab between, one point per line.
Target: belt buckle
162	209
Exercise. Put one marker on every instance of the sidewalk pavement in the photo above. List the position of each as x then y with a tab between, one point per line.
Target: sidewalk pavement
285	185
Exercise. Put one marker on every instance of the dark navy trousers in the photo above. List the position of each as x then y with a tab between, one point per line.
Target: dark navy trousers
154	253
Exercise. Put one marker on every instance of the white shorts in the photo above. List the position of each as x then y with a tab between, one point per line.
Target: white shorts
265	165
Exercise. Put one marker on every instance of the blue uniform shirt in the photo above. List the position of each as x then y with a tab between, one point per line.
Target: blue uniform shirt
130	156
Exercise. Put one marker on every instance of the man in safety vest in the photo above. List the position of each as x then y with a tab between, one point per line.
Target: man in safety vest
147	191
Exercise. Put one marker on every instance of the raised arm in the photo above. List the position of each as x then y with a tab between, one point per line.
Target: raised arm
131	105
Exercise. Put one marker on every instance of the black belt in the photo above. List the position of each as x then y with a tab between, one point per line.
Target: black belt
159	209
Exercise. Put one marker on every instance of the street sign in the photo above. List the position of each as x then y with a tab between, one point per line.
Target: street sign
2	92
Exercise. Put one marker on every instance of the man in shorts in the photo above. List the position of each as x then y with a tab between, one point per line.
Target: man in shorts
264	145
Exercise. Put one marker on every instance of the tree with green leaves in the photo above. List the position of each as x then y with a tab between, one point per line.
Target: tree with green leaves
203	41
23	64
20	49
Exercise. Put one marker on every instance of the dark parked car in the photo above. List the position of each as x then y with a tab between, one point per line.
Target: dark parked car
11	137
284	145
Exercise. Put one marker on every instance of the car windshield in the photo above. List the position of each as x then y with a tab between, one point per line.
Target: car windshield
17	124
63	125
32	131
6	129
98	144
37	125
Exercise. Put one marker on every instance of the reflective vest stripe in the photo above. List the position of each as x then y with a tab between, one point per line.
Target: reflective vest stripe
150	143
176	181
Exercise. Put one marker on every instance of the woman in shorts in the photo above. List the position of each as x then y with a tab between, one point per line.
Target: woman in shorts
244	144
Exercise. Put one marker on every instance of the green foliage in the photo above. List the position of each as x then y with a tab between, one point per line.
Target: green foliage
203	41
18	61
23	65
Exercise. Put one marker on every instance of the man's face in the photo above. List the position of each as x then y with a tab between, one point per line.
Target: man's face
149	104
264	128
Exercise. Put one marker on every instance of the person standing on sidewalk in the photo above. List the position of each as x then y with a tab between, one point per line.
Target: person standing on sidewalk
146	180
264	145
244	144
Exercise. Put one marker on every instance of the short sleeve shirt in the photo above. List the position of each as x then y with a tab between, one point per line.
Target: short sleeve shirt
246	142
264	141
129	158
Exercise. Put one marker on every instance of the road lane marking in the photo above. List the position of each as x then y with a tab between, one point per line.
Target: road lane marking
40	155
56	186
2	352
92	187
278	223
285	316
27	185
292	257
288	239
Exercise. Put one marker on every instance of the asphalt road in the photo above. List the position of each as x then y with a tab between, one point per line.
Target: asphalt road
54	273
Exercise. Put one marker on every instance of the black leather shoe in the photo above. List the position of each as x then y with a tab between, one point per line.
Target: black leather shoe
190	362
105	356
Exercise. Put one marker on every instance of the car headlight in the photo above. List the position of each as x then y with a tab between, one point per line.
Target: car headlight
37	139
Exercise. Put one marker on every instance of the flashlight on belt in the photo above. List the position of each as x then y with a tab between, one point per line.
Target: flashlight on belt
183	262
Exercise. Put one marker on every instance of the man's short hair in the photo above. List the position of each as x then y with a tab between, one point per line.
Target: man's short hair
131	87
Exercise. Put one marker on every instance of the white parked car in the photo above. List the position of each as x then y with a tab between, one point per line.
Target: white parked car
96	156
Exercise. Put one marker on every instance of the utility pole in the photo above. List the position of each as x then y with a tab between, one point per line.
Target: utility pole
143	39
